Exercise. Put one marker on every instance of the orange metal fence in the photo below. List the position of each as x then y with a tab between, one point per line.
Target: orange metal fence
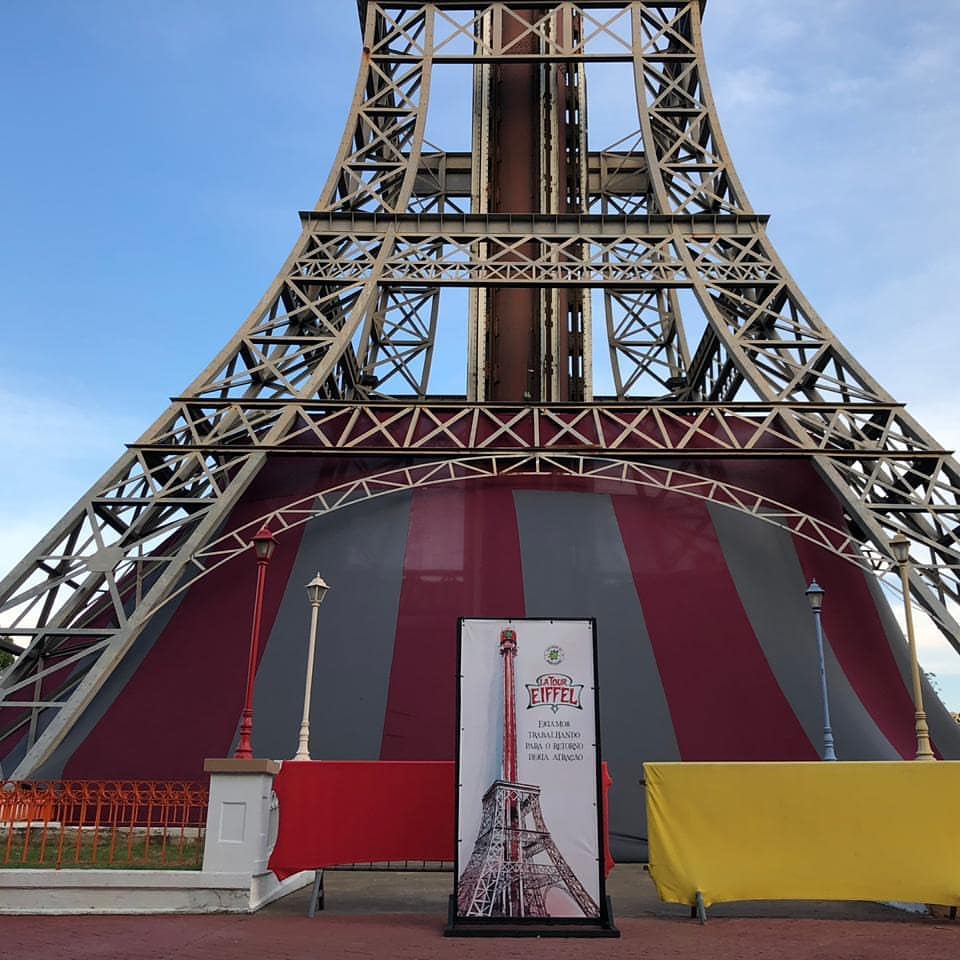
107	824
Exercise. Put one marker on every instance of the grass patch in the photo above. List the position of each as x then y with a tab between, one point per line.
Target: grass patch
83	849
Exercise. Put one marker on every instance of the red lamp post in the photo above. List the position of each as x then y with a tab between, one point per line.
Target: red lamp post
264	543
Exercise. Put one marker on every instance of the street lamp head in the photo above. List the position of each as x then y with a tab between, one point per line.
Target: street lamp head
264	542
900	546
317	589
815	595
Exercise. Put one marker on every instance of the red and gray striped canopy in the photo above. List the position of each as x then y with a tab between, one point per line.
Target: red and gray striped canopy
706	639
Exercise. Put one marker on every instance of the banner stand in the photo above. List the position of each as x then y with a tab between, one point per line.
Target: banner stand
529	856
557	927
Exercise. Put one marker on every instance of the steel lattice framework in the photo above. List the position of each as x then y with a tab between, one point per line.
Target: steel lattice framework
336	357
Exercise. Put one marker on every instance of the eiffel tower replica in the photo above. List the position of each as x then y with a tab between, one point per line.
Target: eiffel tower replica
335	360
503	878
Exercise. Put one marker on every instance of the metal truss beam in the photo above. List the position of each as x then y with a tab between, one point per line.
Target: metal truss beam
430	473
695	226
851	432
460	37
537	250
610	173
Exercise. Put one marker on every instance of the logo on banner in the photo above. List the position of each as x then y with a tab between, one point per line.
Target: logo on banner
553	655
554	690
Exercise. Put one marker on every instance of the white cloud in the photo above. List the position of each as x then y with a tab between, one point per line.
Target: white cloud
934	653
53	450
36	426
931	53
753	88
769	22
21	531
848	89
940	419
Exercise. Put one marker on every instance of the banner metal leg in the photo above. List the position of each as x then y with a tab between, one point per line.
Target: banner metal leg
699	910
316	894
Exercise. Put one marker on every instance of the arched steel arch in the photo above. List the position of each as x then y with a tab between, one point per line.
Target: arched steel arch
464	469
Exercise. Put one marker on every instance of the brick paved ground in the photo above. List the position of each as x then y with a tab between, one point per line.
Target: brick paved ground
372	916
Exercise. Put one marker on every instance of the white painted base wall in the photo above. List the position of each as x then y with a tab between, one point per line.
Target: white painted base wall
140	891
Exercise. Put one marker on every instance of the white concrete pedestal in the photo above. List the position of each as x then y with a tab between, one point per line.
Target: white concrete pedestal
242	821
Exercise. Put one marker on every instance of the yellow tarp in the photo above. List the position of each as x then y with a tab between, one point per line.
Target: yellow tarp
805	831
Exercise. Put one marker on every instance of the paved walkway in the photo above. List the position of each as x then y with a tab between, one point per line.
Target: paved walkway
402	916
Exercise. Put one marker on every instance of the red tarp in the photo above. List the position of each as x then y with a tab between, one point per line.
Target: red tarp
335	812
355	811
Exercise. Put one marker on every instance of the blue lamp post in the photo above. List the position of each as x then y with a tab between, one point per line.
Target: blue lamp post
815	596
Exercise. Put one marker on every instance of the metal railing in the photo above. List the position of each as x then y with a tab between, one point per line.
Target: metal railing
118	824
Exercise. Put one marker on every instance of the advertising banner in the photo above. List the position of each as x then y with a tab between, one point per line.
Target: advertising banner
529	811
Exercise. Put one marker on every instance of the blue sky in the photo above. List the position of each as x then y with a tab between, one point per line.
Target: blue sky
155	154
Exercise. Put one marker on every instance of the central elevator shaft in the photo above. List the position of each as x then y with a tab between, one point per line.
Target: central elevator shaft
530	342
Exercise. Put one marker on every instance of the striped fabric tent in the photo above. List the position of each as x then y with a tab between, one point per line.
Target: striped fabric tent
706	640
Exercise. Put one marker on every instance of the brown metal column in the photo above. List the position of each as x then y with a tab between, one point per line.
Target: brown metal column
563	128
534	167
514	349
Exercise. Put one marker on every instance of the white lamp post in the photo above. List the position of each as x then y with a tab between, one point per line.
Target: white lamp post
901	553
815	596
316	591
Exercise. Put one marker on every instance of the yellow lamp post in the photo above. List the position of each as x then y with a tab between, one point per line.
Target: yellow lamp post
901	553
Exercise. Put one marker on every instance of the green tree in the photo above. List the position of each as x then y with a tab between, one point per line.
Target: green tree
6	658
